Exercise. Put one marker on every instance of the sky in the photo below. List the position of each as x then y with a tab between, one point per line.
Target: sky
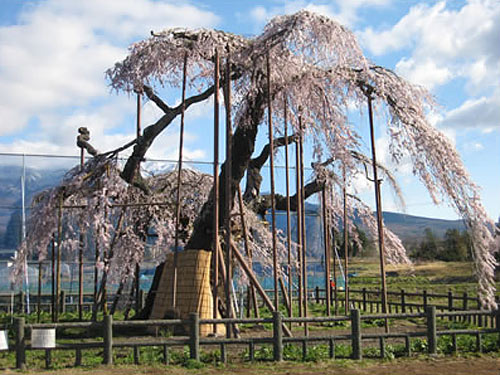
53	55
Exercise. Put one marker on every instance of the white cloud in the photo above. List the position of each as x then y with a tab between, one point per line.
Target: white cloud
483	112
53	63
445	44
464	41
426	73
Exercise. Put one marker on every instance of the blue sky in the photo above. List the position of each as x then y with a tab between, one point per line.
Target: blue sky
53	54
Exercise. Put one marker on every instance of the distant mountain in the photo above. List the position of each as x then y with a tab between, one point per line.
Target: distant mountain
406	227
409	227
10	195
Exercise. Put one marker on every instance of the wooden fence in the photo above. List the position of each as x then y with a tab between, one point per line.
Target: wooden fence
367	300
355	337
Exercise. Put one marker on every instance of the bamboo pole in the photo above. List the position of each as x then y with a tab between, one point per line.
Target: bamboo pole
178	200
288	218
303	223
346	247
378	203
271	175
326	234
216	189
227	200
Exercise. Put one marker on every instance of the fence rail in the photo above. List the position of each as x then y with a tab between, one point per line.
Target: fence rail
367	300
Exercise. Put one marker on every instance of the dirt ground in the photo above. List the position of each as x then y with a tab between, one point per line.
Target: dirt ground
483	365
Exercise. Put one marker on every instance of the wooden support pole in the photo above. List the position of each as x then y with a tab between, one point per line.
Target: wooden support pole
178	200
58	256
227	200
255	281
288	217
299	225
96	274
251	288
137	279
346	247
81	246
216	190
326	234
378	202
233	327
271	175
39	297
286	298
303	223
53	279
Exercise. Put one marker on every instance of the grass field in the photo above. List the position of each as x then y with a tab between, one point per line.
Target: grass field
477	365
436	277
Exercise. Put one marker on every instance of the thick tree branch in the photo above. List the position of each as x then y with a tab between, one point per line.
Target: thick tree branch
263	203
155	99
150	133
254	178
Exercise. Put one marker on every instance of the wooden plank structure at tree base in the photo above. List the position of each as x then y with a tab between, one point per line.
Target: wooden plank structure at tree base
194	291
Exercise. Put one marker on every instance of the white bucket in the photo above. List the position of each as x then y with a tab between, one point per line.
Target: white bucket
43	338
4	342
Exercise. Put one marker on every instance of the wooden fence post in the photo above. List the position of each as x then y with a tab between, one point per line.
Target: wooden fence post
107	335
277	336
20	344
497	325
450	303
194	334
364	299
62	302
430	312
357	351
316	294
403	301
22	299
465	307
424	297
142	300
